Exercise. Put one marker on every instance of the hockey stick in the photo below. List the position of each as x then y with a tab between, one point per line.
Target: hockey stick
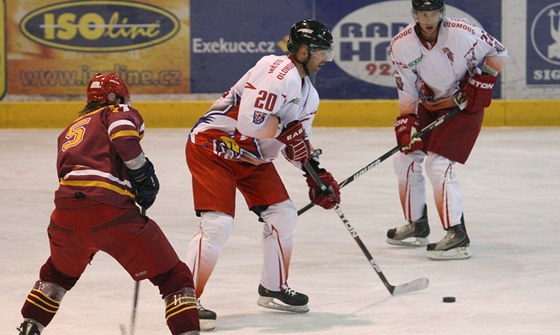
415	285
134	301
134	306
460	106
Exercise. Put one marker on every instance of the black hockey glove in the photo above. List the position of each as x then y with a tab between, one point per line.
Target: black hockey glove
145	184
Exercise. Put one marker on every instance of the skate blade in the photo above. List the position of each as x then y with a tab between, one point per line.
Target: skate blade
276	304
207	324
455	253
409	242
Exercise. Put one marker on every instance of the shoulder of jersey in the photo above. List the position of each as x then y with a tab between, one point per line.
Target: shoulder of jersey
459	26
124	108
458	20
279	67
405	34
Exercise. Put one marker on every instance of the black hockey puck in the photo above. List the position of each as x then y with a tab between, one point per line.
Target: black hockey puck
448	299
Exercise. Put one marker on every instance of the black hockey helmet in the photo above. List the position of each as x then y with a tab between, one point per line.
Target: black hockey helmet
427	5
311	32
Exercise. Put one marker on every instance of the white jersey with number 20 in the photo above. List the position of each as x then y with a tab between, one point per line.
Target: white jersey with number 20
272	87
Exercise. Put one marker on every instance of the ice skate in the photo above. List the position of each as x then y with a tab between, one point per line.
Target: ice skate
28	328
287	300
454	245
207	317
413	234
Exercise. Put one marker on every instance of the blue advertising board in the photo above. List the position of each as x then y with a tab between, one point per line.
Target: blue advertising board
362	31
543	42
227	41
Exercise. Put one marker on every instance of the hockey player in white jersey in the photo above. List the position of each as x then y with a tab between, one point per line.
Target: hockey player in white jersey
268	111
435	59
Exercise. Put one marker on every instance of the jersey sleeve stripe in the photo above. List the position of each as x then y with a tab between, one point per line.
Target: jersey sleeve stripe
125	133
121	123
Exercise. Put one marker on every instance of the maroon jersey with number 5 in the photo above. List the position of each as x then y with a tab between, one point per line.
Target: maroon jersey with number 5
92	151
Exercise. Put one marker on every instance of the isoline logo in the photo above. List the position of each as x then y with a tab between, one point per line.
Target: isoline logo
99	26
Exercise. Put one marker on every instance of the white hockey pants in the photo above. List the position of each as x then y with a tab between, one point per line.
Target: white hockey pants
447	191
277	242
216	228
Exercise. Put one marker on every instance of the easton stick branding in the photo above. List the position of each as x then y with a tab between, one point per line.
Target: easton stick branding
99	26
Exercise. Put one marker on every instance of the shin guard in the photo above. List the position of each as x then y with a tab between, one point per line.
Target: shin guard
277	242
411	182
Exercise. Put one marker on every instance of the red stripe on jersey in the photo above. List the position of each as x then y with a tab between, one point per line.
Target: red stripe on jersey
249	85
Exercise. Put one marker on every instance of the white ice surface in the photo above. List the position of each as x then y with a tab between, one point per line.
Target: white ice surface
511	285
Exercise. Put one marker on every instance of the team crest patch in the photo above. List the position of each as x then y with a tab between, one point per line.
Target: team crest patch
258	117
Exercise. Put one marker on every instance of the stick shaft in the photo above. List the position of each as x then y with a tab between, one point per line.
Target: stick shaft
388	154
350	228
414	285
134	307
365	251
136	292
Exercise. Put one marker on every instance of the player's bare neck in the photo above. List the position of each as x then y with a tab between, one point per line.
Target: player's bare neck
299	66
428	39
301	69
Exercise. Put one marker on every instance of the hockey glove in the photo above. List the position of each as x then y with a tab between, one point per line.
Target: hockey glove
478	92
405	128
328	199
297	145
145	184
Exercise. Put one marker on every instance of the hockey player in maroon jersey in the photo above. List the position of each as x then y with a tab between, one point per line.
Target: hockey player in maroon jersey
269	110
435	59
103	171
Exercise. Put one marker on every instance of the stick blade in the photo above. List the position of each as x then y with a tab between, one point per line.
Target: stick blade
415	285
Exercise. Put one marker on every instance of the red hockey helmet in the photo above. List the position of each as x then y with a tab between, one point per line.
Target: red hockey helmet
106	88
